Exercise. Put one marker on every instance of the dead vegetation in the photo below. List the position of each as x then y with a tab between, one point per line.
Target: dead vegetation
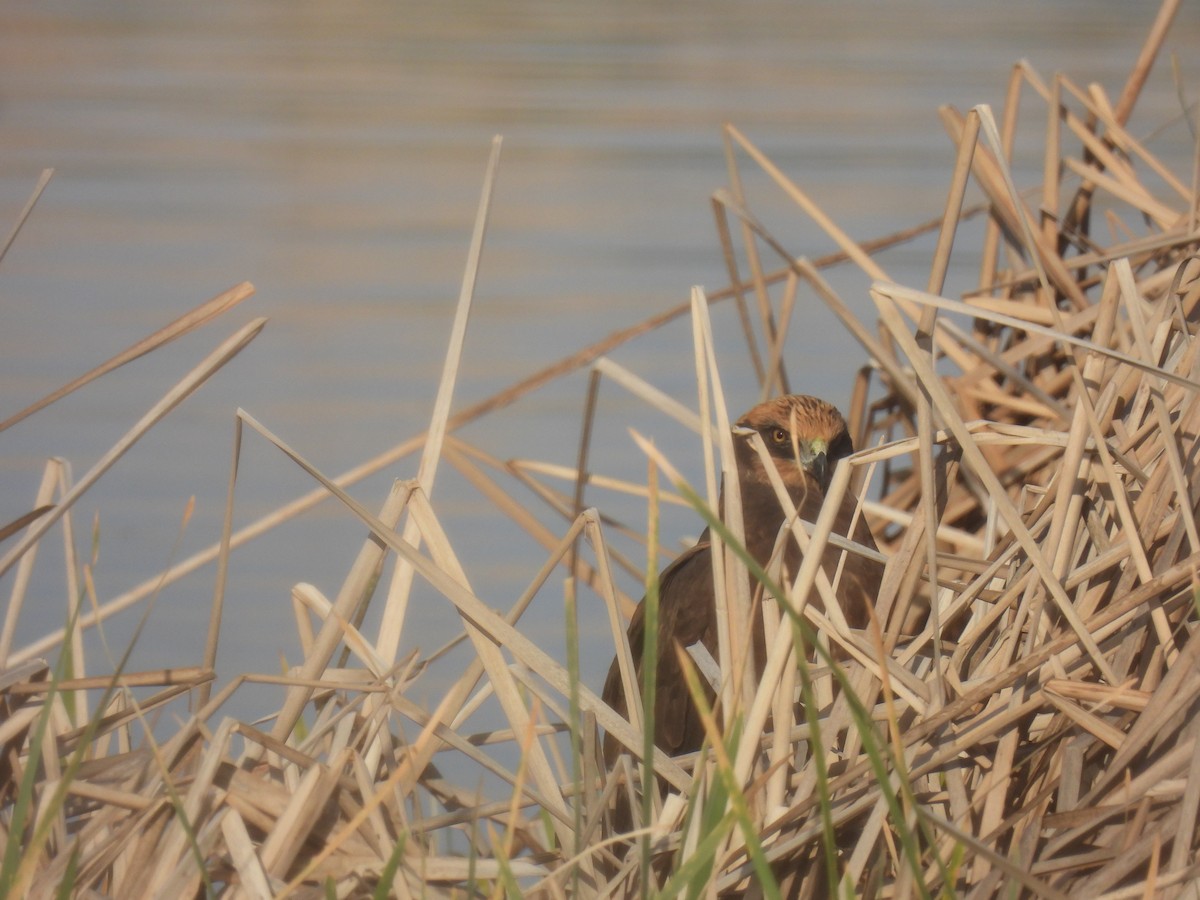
1019	719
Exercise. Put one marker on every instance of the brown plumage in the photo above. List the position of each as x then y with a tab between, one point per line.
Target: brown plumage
805	437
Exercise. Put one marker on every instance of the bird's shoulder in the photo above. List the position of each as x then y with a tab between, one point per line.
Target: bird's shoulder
684	597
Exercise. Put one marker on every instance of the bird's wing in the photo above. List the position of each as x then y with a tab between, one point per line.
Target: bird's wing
685	616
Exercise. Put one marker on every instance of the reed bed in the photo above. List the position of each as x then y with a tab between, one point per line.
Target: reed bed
1019	719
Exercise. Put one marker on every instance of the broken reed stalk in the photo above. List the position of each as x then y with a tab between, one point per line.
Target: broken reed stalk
1019	714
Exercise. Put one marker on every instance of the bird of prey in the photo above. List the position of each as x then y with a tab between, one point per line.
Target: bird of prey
805	437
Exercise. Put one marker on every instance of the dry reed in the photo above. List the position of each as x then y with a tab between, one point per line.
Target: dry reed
1020	718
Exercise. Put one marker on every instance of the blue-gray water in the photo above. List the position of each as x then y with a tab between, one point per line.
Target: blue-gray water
333	153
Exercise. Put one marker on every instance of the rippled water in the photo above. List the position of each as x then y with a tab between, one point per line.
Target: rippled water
333	155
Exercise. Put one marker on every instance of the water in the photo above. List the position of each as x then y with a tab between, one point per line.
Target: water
333	155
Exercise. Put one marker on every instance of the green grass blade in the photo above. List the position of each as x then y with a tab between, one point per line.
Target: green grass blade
878	752
575	728
649	674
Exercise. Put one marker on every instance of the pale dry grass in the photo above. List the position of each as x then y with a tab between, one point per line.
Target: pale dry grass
1019	718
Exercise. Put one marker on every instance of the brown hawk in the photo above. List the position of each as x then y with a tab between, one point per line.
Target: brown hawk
805	438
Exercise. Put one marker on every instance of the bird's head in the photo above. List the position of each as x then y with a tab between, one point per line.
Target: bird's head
804	435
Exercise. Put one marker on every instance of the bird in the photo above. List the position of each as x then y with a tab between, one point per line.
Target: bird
805	437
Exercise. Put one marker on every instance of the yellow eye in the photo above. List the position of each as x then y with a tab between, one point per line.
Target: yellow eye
779	436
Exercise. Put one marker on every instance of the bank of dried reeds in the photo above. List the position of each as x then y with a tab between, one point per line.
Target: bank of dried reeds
1019	719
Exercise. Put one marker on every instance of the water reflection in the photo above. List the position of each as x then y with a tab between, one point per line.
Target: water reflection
332	154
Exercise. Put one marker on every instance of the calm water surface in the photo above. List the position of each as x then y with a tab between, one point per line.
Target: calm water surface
333	153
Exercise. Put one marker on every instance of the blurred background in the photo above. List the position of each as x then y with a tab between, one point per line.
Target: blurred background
333	154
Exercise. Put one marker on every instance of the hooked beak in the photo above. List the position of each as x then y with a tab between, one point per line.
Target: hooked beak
813	457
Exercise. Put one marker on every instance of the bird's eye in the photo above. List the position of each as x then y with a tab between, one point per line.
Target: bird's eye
779	436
